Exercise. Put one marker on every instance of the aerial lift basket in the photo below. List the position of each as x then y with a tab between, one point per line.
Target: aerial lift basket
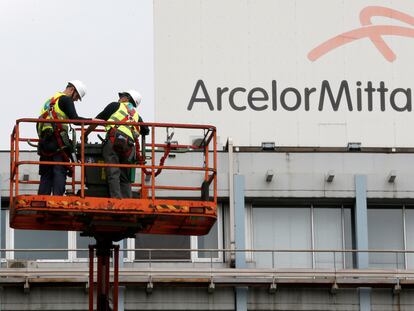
155	207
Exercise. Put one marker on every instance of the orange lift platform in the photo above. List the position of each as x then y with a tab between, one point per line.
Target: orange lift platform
178	208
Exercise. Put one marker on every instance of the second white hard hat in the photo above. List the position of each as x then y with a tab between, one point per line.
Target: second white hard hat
135	95
80	87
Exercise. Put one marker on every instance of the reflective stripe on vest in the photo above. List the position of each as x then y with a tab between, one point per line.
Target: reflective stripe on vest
125	113
46	113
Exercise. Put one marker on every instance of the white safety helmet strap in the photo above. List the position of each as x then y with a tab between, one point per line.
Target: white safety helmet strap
80	87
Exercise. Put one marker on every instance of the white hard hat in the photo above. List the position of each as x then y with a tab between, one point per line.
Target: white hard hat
80	87
135	95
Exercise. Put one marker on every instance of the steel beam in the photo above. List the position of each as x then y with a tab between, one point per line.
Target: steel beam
361	236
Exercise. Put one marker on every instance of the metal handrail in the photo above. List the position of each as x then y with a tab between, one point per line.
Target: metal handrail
221	250
210	171
145	271
273	252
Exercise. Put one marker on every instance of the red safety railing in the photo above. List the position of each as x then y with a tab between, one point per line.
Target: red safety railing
155	149
152	167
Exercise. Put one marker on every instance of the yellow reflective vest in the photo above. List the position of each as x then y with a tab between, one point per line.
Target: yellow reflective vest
125	113
51	111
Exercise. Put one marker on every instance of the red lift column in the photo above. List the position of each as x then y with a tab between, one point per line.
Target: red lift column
103	253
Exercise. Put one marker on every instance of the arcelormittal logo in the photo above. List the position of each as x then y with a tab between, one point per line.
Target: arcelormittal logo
360	96
369	31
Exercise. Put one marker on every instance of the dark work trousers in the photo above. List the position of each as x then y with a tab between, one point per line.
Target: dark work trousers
119	181
52	177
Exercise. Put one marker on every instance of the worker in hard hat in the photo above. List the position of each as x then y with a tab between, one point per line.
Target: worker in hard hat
54	144
121	141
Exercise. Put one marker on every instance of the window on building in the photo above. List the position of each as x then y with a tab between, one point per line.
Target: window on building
385	232
282	229
332	231
209	241
2	232
348	236
161	241
40	239
409	234
302	228
83	242
212	240
328	235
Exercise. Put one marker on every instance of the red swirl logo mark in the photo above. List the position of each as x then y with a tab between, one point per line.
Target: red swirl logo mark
373	32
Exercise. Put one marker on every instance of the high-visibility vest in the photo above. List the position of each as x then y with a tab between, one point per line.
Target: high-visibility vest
125	113
52	111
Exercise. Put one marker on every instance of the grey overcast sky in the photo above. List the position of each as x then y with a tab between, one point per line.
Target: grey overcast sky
107	44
